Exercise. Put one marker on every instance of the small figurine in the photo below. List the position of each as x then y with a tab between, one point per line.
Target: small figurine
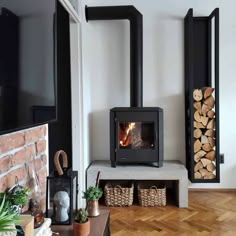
62	203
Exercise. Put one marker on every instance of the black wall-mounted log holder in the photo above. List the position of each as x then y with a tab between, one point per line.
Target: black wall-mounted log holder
201	70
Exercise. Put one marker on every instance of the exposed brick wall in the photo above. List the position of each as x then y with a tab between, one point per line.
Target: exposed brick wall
20	153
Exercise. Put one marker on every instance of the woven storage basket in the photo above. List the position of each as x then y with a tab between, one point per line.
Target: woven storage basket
151	196
116	195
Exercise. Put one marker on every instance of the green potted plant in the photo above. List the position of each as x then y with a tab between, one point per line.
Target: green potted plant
8	219
81	223
92	195
16	197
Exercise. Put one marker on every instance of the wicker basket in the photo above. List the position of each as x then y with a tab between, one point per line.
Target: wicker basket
151	196
116	195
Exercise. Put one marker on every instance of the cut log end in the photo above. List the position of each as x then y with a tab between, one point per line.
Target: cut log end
197	175
197	116
211	155
197	95
205	109
211	114
198	107
198	166
210	133
205	162
207	91
198	125
204	139
210	176
199	155
207	147
210	102
211	124
204	120
211	167
197	146
197	133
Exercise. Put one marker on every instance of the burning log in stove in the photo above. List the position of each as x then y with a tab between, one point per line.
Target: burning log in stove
134	135
126	133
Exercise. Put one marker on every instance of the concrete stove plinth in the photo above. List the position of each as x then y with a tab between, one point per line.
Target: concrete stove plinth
171	170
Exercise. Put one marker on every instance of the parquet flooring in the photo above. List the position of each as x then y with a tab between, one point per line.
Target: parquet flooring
209	214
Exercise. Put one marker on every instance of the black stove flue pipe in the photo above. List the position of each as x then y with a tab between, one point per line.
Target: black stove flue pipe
136	43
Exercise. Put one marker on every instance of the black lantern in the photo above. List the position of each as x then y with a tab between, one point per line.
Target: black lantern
61	199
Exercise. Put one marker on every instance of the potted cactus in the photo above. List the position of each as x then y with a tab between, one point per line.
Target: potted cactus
81	223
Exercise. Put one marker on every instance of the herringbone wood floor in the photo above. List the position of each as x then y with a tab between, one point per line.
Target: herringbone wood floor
209	213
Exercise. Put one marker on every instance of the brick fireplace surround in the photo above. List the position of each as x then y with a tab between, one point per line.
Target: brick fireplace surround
22	151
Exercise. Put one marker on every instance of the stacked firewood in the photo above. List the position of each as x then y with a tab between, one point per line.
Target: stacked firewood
204	133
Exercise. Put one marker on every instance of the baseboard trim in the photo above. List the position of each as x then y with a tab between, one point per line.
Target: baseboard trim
212	189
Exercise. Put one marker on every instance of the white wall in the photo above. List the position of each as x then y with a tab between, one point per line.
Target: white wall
105	46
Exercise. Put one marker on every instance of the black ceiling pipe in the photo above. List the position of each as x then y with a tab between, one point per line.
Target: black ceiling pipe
136	43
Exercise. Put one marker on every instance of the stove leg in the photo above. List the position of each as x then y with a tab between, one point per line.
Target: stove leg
113	164
155	164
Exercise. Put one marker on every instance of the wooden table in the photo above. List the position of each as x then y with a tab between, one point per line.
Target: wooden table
99	226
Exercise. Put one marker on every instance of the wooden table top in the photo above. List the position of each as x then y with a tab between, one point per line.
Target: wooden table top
97	225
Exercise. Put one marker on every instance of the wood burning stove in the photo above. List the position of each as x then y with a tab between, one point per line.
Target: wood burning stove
136	135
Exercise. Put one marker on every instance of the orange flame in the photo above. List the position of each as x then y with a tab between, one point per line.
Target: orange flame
125	138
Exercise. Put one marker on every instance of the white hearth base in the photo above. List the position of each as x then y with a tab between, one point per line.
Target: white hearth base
171	170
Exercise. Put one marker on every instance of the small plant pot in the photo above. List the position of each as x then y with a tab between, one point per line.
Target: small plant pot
93	208
81	229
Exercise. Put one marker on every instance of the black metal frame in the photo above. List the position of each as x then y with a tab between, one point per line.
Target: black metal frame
198	73
136	114
68	178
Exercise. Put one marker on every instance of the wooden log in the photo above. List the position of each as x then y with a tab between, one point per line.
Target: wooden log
198	166
211	124
198	106
204	172
197	145
205	162
211	155
197	95
197	175
210	176
198	125
210	133
210	102
204	120
197	116
205	109
211	141
197	133
211	167
204	139
199	155
211	114
206	147
207	91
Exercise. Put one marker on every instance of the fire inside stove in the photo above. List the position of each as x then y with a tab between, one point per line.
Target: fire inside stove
136	135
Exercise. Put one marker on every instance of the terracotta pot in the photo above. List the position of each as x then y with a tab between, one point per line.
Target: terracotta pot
93	208
81	229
